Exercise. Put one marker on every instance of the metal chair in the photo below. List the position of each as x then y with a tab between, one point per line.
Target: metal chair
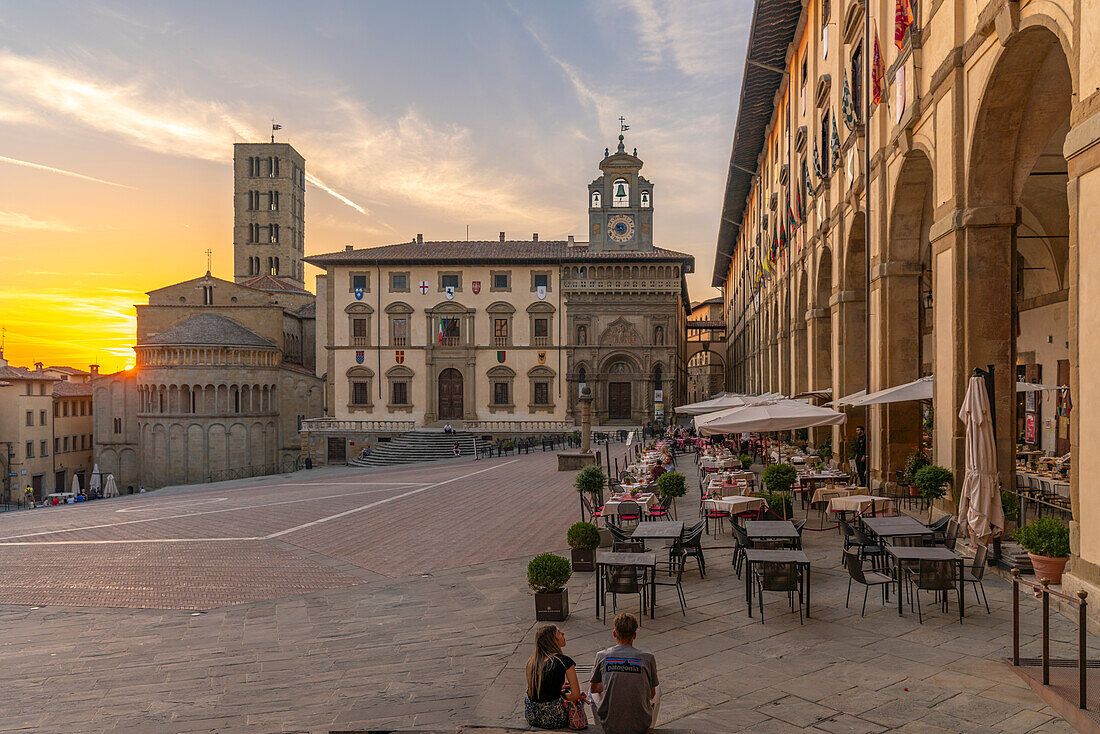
629	510
741	543
692	545
952	535
937	576
799	526
856	538
711	512
856	573
973	574
782	576
659	511
675	573
594	514
622	580
619	535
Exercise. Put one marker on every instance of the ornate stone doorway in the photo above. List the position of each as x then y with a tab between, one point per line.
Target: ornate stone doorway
450	394
618	401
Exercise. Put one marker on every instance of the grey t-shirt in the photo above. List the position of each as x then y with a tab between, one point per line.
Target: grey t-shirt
627	675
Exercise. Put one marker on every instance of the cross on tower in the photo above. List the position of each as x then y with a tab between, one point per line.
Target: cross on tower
209	256
623	127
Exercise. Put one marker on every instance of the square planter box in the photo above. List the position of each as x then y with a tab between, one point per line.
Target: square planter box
583	559
552	607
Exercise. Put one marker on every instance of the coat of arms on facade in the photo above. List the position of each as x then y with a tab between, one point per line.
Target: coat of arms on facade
541	292
450	291
500	357
359	293
542	357
359	355
423	287
399	356
476	286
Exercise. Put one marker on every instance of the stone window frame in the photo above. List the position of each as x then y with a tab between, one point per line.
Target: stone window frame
394	311
359	310
502	374
541	373
501	310
351	280
541	310
439	280
395	374
363	375
408	281
549	273
493	282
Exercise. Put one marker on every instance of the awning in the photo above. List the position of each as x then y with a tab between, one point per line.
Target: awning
725	400
781	415
921	389
847	399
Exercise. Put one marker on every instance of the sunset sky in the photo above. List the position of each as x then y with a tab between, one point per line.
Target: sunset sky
117	122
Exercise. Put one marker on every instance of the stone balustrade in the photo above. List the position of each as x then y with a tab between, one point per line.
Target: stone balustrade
519	426
331	425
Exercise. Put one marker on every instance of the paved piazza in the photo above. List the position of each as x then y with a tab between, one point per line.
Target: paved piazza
346	598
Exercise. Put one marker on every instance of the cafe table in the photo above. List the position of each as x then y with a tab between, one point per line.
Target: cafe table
860	503
658	530
904	554
761	555
771	530
612	559
901	526
735	504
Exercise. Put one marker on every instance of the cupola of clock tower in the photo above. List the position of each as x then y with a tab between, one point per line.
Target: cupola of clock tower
620	205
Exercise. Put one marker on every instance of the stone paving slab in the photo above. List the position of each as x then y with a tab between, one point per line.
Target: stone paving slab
436	639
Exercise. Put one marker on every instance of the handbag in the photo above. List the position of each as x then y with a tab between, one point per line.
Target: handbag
574	710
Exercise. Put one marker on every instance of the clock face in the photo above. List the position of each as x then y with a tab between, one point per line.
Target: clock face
620	228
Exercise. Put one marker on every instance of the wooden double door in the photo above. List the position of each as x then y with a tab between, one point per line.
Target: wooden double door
618	401
450	395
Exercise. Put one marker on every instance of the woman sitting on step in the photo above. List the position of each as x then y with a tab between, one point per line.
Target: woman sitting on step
552	686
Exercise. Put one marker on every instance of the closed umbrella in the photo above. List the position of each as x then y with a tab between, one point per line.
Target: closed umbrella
109	488
76	485
780	415
93	485
980	510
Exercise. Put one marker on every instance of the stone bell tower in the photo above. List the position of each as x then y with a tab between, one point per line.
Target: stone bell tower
620	205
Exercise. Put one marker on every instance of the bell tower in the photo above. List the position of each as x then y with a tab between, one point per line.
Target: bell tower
620	205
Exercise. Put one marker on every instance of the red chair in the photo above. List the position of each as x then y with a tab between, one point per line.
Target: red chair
629	510
658	511
711	512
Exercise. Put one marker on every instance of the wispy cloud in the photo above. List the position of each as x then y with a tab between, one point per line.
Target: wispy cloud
13	220
60	171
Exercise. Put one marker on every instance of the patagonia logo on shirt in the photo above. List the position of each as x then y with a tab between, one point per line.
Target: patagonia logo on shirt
622	665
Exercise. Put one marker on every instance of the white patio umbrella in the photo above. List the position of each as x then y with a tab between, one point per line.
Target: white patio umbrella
726	400
920	389
847	399
76	485
109	487
980	510
93	484
1035	387
779	415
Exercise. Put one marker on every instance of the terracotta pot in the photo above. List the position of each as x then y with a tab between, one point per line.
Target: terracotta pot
552	606
583	559
914	491
1048	568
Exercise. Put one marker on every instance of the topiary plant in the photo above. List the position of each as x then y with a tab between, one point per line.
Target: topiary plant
779	477
913	463
932	481
548	573
779	503
583	536
591	480
746	461
1044	537
671	485
825	448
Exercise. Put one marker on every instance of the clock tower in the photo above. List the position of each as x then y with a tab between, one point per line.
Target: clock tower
620	205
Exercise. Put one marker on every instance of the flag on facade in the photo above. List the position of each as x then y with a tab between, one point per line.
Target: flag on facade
835	152
809	189
818	170
847	105
799	202
878	74
441	331
903	21
792	222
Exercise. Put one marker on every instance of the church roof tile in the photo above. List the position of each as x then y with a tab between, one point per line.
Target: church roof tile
209	329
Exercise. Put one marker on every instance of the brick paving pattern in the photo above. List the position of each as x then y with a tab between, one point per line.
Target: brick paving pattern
413	614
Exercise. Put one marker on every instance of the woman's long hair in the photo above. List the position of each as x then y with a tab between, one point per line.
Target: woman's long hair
546	647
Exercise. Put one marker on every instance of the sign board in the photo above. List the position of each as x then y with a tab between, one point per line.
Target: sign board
1030	427
658	396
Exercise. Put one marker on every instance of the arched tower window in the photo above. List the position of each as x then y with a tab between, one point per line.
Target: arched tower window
596	199
582	375
620	193
645	199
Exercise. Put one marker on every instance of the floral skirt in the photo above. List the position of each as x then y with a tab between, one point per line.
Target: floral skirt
545	715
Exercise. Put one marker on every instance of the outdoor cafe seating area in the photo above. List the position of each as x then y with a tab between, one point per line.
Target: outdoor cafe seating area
902	564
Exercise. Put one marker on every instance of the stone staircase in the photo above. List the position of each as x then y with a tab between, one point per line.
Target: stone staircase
418	446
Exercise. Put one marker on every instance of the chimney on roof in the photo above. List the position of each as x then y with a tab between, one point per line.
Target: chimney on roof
535	237
571	242
349	248
37	366
419	239
93	370
502	237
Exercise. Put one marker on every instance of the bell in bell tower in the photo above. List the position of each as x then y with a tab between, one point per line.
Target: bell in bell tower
620	204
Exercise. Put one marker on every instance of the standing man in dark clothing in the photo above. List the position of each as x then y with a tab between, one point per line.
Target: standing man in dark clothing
861	457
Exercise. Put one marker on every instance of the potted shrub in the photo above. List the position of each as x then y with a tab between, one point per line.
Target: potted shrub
547	575
583	539
746	461
779	477
671	485
913	464
1046	541
825	448
591	480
